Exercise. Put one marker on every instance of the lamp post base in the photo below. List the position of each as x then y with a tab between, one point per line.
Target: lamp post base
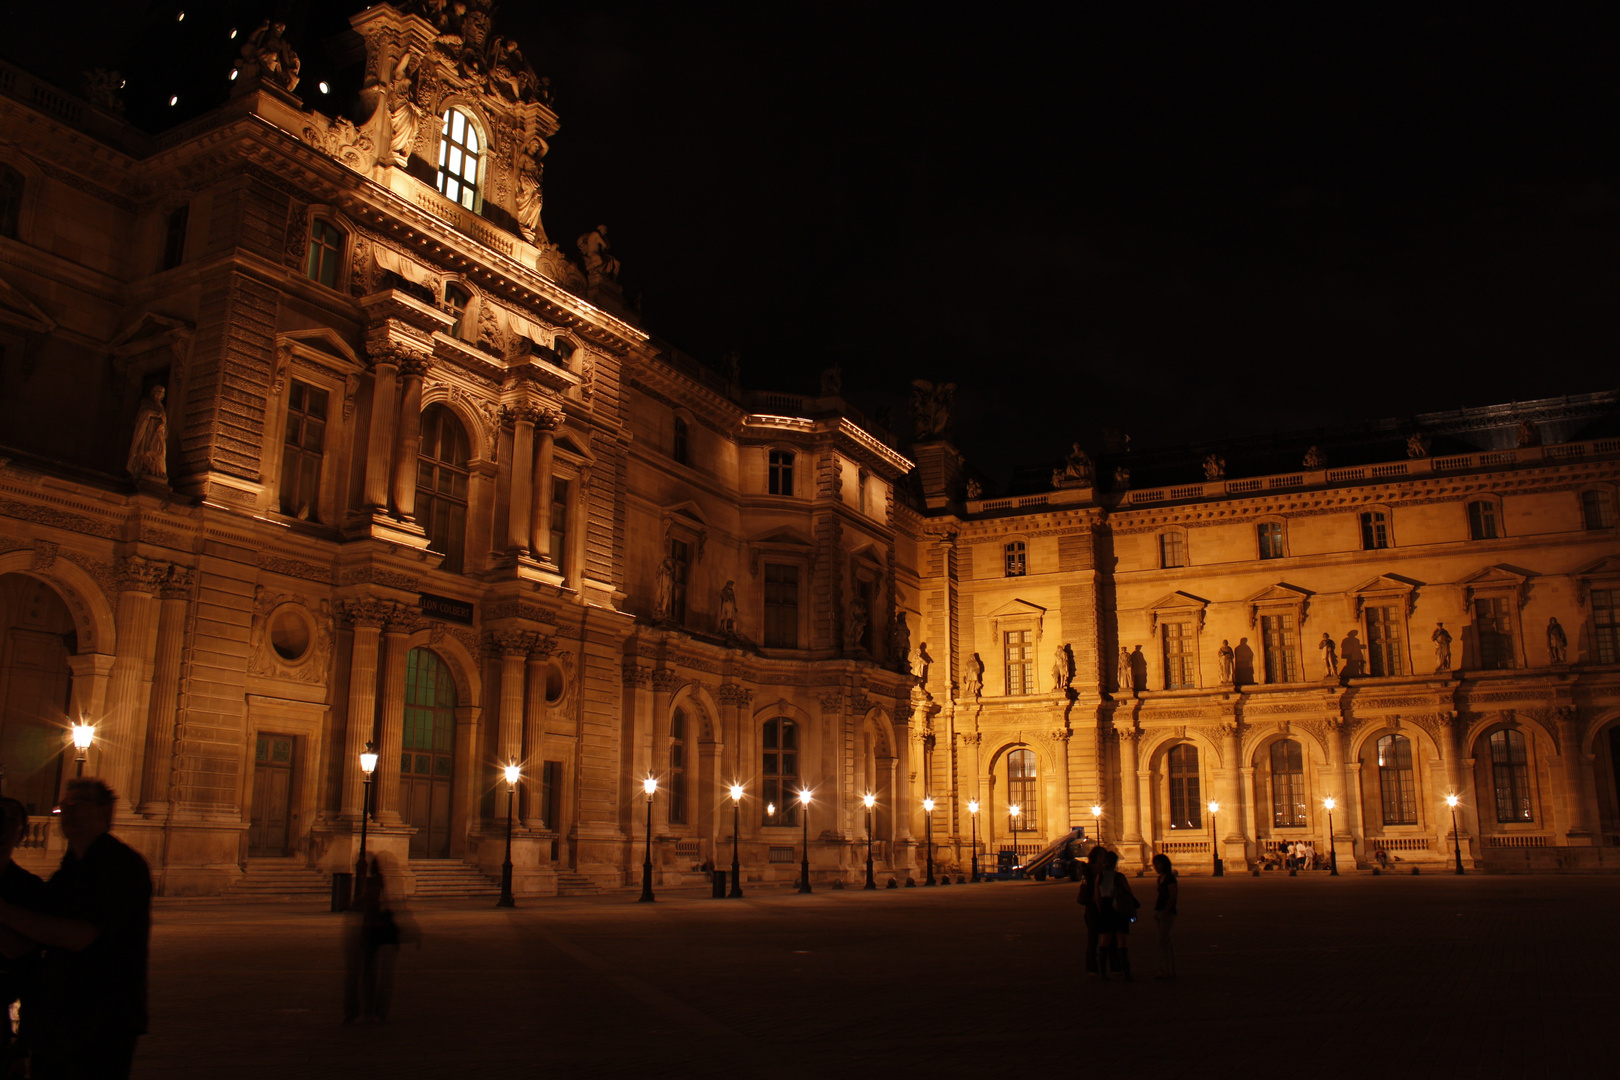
506	899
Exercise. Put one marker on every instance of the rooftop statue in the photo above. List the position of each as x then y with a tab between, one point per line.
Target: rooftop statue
1314	458
1417	445
599	262
1077	465
530	171
931	408
1214	467
267	57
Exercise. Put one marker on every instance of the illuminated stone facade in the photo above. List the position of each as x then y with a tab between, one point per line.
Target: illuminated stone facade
419	480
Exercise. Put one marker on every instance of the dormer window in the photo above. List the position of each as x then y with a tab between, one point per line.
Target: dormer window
459	151
456	300
325	253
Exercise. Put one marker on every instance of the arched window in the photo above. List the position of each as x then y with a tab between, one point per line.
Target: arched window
779	764
781	472
1374	530
1395	780
456	300
1482	520
680	448
1287	784
1172	550
441	485
325	252
11	196
1022	791
1015	559
459	151
1186	812
677	768
427	762
1510	769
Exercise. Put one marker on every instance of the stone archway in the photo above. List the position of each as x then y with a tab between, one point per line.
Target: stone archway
38	642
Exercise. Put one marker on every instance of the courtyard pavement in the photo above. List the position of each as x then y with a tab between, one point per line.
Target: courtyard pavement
1430	976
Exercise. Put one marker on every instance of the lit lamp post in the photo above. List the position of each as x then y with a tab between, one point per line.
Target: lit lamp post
1215	837
1013	812
1096	823
1333	852
650	786
368	765
804	819
928	834
1456	837
512	773
736	827
83	735
973	816
870	800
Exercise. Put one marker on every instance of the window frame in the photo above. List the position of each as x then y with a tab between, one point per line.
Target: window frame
779	475
1184	788
1520	793
1015	559
766	605
1375	526
1279	545
1183	673
1405	776
1603	497
22	203
773	736
1172	540
312	367
1485	519
1288	638
1605	631
676	758
430	498
295	380
340	263
447	143
680	448
1023	789
173	250
1297	814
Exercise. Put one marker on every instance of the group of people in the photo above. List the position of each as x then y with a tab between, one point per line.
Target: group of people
1295	855
1111	908
73	949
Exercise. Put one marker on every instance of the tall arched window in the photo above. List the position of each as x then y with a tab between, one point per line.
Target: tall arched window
1396	781
427	763
1186	812
1287	784
459	151
1510	769
11	195
441	485
677	768
779	765
325	252
1023	790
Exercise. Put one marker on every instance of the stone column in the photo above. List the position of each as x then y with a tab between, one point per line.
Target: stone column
540	527
900	788
1130	792
391	720
366	616
1339	790
534	731
175	590
385	363
514	647
407	447
522	418
664	685
121	730
1232	797
1569	749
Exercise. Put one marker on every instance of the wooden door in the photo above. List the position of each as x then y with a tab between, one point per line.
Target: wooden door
272	795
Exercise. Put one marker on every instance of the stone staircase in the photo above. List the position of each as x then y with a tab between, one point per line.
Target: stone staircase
440	879
274	879
570	884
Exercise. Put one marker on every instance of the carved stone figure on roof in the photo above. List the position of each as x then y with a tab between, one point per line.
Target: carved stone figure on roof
931	408
404	115
530	173
1417	445
832	381
1214	467
1122	478
975	490
267	57
510	75
1314	458
104	89
1527	435
1077	465
599	262
149	448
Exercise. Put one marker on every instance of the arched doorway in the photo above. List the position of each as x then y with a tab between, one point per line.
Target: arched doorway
427	760
36	638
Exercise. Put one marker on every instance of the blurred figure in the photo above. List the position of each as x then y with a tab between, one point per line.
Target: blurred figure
1164	913
1088	901
19	968
371	946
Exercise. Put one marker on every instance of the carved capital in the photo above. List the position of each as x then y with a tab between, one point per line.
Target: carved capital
1061	735
513	642
177	582
637	677
512	415
140	575
971	738
546	420
387	354
368	611
414	365
1229	730
732	694
665	681
833	702
44	555
1127	729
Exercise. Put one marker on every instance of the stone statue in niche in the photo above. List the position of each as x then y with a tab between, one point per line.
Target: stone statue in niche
900	641
1122	678
973	677
666	587
1527	435
1314	458
1060	669
728	609
1417	445
1557	641
832	381
1330	654
1077	466
599	261
530	172
267	57
149	448
930	408
975	490
1442	647
1228	661
1214	467
404	115
856	624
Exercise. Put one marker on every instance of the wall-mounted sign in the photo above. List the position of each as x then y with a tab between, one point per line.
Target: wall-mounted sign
443	607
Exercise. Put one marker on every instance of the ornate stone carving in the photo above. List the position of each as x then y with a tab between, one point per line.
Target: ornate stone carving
149	447
1214	467
369	611
140	575
44	555
636	676
343	142
377	575
513	642
733	694
665	681
832	702
266	57
1314	458
600	263
265	658
277	564
931	408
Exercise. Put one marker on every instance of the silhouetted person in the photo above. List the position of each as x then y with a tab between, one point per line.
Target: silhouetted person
370	949
1116	904
95	929
1088	901
1164	913
19	968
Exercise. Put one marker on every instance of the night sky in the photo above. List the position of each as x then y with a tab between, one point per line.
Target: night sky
1185	225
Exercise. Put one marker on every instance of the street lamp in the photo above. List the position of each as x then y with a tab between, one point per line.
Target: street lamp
928	831
973	816
368	765
1456	837
1013	812
83	735
804	819
650	786
870	800
1333	852
1215	837
512	773
736	827
1096	822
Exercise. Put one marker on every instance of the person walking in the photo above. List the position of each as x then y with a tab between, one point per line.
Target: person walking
1089	870
1164	914
1116	906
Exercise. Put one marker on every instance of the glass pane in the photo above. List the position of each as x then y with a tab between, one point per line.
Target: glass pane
441	766
455	159
424	764
472	138
469	169
281	750
457	122
262	750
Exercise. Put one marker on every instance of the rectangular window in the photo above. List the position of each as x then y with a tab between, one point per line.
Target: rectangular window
325	252
1493	630
781	606
1281	648
551	794
1186	811
678	450
1172	550
301	451
1374	531
559	518
779	768
1271	540
1606	627
681	552
1482	521
1287	784
1015	559
1178	655
1597	510
1396	781
174	237
1018	649
1386	654
1510	768
781	479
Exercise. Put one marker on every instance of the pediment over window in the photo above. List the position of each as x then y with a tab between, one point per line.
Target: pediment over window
1385	587
1174	608
19	311
1014	608
1494	579
1016	615
684	521
322	344
780	542
1603	573
1279	597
